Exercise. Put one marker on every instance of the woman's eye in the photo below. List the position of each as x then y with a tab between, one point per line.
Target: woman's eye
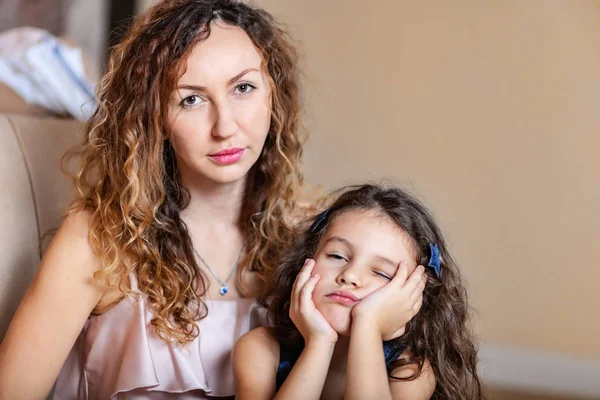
191	100
244	88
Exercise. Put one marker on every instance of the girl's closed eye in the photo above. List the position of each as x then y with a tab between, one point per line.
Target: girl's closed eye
382	275
244	88
337	257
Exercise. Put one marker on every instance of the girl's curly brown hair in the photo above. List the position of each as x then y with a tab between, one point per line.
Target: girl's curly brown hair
439	332
128	179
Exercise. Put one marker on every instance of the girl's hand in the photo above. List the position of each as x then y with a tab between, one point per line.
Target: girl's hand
393	305
309	321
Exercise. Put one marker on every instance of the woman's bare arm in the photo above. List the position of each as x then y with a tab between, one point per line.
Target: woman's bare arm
51	315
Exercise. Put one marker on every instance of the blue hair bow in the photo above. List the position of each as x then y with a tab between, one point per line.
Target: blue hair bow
435	261
319	220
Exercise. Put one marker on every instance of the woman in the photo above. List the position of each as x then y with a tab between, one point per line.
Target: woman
188	183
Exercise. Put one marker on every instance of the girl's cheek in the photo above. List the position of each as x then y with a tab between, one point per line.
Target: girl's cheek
318	269
319	285
375	286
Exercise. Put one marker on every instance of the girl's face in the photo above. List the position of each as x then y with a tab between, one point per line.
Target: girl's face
359	253
220	114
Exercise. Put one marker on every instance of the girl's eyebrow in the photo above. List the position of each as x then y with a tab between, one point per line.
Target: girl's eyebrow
387	261
341	240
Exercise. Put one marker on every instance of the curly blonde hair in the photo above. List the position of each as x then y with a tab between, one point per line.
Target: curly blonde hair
128	179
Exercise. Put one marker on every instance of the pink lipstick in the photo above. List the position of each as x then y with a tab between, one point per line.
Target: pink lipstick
227	156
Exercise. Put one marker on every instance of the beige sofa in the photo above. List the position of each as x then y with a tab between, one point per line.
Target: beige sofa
34	193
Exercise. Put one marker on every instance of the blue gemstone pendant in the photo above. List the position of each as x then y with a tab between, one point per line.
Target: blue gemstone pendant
223	290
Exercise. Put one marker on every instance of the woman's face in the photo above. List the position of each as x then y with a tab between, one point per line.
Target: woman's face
359	253
220	112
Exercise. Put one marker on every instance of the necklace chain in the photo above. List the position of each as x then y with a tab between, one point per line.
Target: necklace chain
224	289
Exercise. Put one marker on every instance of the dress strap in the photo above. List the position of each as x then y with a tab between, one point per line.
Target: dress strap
287	358
392	350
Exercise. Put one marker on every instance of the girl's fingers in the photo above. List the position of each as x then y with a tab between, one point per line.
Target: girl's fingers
301	279
418	291
307	291
414	279
401	274
417	305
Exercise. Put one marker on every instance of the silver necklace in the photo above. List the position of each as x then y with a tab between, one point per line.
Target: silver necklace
224	288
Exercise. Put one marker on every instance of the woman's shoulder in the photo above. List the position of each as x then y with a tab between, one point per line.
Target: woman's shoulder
70	248
76	225
71	243
73	238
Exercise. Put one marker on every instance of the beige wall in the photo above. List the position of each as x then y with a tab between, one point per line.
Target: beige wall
86	25
144	4
488	110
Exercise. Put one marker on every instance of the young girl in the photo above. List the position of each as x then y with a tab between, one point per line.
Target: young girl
329	310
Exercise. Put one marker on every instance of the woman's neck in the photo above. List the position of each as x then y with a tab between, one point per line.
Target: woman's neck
216	204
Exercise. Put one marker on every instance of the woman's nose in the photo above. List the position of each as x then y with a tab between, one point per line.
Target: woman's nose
225	124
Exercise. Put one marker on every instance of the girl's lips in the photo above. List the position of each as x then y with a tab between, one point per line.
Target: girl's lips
227	156
344	297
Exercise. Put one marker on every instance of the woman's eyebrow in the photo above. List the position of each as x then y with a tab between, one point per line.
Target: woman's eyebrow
238	76
229	82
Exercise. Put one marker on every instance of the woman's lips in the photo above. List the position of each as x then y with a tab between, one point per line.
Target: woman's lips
227	156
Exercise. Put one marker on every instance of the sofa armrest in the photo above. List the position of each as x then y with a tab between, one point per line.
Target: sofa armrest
35	194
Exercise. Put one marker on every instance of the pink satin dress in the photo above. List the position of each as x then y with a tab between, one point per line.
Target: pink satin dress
119	356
